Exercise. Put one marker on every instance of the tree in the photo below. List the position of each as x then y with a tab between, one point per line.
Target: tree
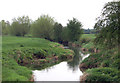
0	29
20	26
75	29
5	27
58	32
108	26
43	27
15	29
65	34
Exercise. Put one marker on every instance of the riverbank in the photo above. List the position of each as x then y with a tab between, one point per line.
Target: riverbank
86	44
101	65
20	55
64	71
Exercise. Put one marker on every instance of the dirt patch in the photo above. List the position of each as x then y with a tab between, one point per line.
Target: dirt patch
83	67
84	50
32	78
61	46
93	50
83	77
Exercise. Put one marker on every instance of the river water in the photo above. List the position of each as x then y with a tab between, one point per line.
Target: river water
64	71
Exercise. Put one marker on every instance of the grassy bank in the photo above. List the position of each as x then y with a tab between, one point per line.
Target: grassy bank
21	54
87	40
100	66
86	43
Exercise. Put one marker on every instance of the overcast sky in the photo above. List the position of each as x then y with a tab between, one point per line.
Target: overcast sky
86	11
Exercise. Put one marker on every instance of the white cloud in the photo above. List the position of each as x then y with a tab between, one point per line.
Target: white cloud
86	11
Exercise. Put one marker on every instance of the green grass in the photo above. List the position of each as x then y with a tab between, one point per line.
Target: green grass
88	45
10	42
88	36
11	71
16	50
101	66
105	74
103	59
86	41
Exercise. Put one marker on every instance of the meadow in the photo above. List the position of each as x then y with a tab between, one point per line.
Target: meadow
19	53
86	41
88	36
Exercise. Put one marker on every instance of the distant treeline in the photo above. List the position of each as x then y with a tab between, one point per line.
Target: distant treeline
89	31
44	27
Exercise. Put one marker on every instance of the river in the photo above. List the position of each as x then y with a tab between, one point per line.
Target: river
64	71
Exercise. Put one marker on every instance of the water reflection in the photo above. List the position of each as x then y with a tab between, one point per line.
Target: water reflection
74	64
59	72
64	71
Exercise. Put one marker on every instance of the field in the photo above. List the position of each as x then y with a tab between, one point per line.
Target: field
19	52
11	42
88	36
11	63
86	40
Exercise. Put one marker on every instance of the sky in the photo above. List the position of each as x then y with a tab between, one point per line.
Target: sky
86	11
